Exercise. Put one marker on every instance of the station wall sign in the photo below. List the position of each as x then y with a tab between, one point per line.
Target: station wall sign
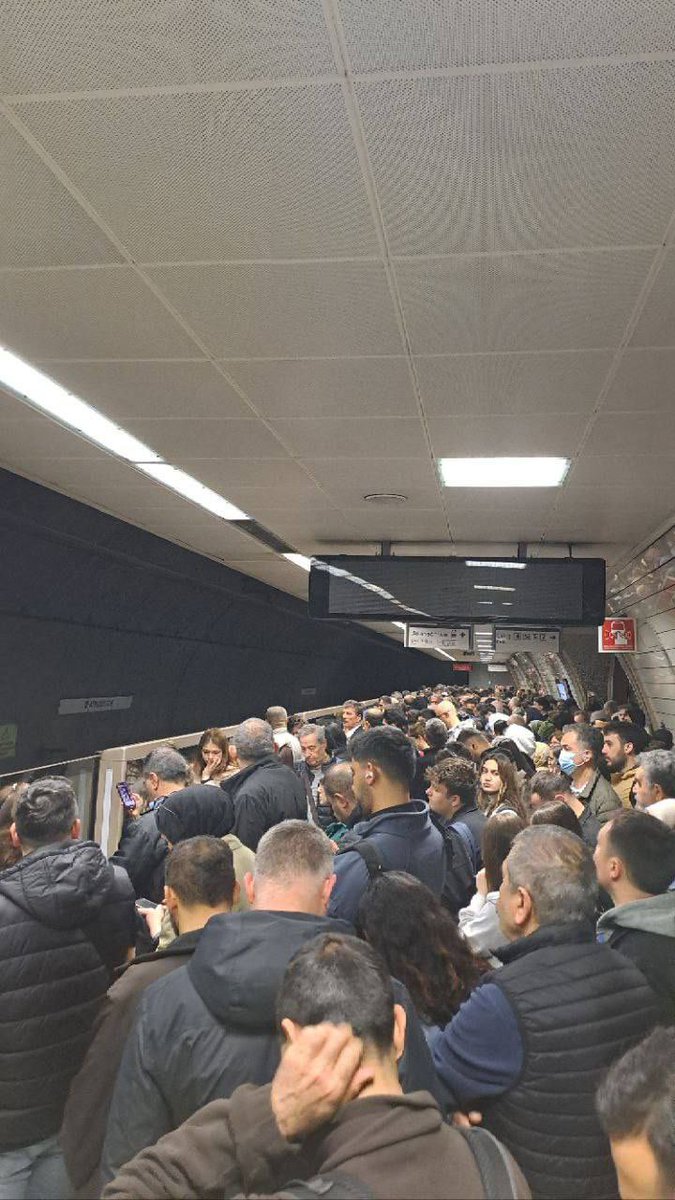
426	637
533	641
617	635
93	704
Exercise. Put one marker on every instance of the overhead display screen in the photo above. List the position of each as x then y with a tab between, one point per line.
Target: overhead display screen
561	591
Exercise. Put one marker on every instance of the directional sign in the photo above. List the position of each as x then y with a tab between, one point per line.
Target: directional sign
511	641
426	637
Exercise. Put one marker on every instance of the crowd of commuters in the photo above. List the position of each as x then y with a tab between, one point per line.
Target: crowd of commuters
426	950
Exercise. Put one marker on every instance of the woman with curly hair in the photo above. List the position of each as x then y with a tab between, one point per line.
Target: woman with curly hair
419	941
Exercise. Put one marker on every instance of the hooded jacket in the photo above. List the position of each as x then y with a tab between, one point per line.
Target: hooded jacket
405	840
66	918
142	852
644	930
398	1146
264	794
86	1113
211	1026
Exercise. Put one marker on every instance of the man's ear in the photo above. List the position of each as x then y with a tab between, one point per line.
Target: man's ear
290	1030
615	868
629	749
400	1023
523	908
327	889
249	885
76	829
170	899
15	839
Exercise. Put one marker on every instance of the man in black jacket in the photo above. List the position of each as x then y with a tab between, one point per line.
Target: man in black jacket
635	861
210	1026
532	1043
66	920
142	850
265	791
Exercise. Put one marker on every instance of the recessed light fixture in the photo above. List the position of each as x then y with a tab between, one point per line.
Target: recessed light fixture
299	560
503	472
47	396
485	602
385	498
506	566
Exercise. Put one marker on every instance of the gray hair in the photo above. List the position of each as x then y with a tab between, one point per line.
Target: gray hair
558	871
308	730
292	849
659	768
277	716
167	764
253	740
437	733
588	738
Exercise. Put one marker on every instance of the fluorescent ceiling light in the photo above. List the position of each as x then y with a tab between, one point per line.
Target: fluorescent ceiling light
503	472
300	560
491	587
179	481
506	566
485	602
49	397
444	653
399	625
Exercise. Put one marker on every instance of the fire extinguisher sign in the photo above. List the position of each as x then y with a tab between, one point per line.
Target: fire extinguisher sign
617	635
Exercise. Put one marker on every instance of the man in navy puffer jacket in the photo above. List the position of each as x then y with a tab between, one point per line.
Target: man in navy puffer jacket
398	829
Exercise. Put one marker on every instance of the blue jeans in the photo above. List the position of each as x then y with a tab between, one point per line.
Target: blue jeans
35	1172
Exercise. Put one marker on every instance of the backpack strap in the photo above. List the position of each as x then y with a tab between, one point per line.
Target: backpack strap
494	1164
334	1185
368	853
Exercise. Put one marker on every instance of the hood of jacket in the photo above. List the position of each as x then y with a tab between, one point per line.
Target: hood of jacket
241	958
655	915
63	886
410	818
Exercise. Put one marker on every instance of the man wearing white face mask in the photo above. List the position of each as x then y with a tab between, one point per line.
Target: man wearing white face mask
580	757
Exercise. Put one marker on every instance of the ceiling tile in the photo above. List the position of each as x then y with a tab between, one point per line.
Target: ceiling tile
415	524
349	479
182	440
505	434
521	302
467	32
286	310
41	438
101	313
308	525
254	472
612	434
277	573
344	387
275	499
608	514
265	174
512	383
644	382
656	326
654	470
95	44
124	390
40	223
498	526
359	438
524	160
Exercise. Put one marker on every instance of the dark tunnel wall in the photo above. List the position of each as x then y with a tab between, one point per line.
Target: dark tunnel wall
94	607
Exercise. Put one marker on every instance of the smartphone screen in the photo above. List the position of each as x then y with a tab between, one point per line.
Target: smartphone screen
145	904
125	795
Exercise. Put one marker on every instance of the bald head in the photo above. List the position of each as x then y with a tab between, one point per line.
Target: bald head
447	713
338	790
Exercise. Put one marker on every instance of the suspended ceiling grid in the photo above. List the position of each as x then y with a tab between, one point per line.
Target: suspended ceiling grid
303	249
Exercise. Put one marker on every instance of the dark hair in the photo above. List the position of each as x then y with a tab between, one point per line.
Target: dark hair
420	943
195	811
219	738
436	734
636	714
638	1097
167	764
200	870
389	749
646	847
628	733
590	738
499	727
453	750
661	739
352	704
9	853
457	776
511	796
556	812
339	979
46	812
467	735
335	737
396	717
549	785
374	717
497	838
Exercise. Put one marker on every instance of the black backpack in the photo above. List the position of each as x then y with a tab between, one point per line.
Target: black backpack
460	883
